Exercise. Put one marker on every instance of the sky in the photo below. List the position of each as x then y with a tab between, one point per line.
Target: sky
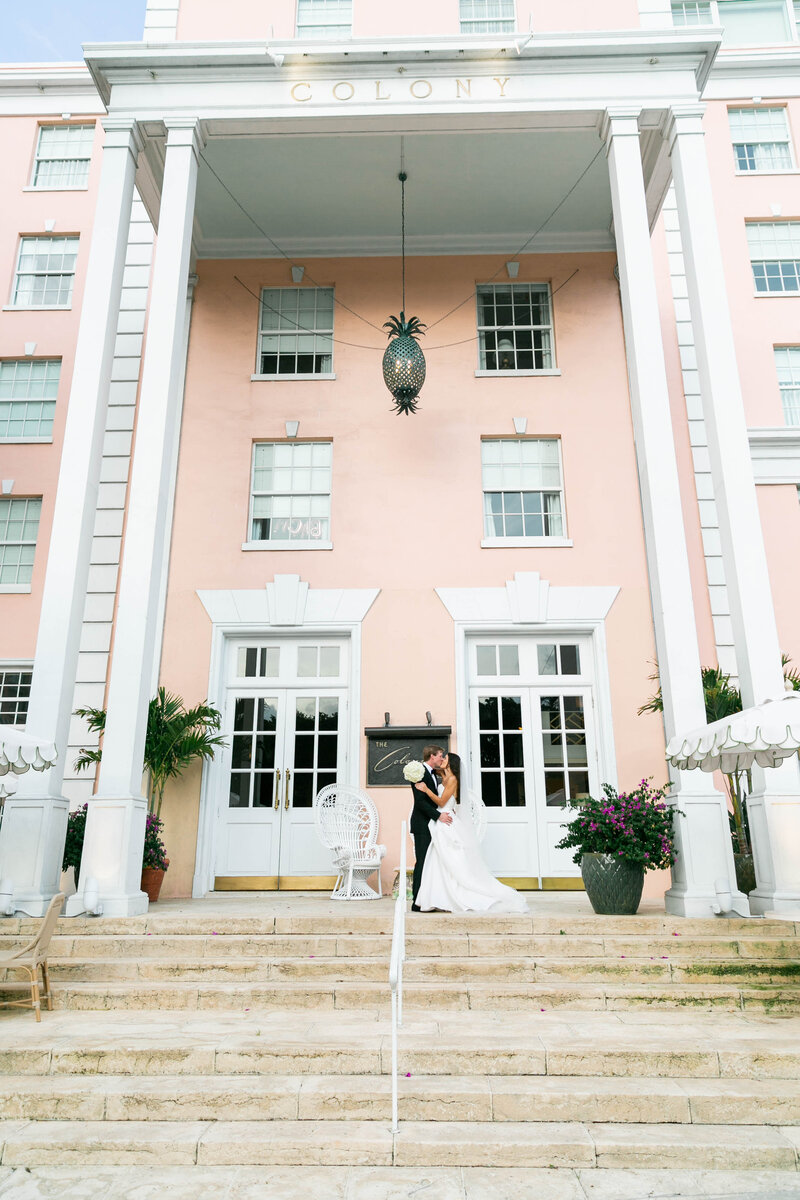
53	30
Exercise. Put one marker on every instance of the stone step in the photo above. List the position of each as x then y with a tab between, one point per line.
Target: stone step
467	971
481	1098
418	1143
190	947
448	994
377	920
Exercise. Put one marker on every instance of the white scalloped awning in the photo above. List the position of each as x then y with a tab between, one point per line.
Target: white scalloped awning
764	734
19	751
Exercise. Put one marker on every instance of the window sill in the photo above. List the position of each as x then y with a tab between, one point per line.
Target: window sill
36	307
785	171
287	545
23	441
82	187
513	543
515	374
14	588
289	378
776	295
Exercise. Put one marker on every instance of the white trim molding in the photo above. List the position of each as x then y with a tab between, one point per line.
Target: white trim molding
527	599
775	453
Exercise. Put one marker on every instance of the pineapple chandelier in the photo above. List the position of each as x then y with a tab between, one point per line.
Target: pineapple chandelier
403	361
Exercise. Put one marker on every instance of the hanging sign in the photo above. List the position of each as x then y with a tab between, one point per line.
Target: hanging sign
390	747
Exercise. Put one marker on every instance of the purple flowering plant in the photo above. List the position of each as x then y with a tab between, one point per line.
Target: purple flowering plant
636	826
155	853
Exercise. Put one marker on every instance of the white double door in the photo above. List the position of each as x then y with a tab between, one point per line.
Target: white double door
533	749
286	726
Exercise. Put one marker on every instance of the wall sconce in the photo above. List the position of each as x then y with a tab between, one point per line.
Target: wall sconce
30	348
7	486
512	269
520	425
292	428
297	274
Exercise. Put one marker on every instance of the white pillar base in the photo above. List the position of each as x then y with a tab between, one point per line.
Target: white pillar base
31	849
705	852
112	854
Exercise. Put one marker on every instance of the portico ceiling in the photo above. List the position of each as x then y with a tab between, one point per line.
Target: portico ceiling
467	192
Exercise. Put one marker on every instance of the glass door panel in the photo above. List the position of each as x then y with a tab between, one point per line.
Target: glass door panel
502	773
566	764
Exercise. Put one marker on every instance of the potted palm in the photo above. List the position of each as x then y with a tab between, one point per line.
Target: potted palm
176	737
617	839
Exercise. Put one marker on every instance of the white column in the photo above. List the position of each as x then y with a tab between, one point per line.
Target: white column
34	821
115	825
703	840
774	807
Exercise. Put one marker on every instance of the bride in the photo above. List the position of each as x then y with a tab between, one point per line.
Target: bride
454	877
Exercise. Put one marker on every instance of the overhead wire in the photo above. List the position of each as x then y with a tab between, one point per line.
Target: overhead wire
352	311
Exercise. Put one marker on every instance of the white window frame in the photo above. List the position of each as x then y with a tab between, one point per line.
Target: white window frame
497	330
504	20
792	12
25	585
288	543
42	155
19	274
10	667
765	143
766	260
15	406
309	25
492	542
293	327
787	366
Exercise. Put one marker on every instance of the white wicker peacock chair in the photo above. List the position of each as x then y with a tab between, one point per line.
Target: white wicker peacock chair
347	823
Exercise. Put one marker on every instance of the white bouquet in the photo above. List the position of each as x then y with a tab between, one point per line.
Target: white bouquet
413	771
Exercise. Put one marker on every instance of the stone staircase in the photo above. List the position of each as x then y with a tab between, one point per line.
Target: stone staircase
528	1041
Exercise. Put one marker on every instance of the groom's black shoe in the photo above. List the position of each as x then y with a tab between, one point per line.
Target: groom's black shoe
415	908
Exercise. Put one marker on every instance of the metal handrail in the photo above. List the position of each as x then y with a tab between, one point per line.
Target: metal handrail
396	966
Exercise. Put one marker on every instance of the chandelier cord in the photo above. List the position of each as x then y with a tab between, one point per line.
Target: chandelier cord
403	177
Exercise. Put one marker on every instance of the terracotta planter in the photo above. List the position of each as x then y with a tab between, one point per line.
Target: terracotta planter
614	887
152	879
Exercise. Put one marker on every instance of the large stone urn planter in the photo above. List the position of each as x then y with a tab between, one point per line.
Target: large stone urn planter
614	887
745	872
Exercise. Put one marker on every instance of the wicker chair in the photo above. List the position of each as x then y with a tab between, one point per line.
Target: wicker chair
31	958
347	823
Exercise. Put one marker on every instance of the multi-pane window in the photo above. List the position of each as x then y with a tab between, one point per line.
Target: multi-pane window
63	155
558	659
291	498
775	255
691	12
522	488
324	18
497	659
15	690
19	525
566	765
45	272
787	363
487	16
744	22
28	392
296	335
515	327
760	139
501	751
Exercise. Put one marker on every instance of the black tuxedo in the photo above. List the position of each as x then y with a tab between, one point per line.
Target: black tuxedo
424	810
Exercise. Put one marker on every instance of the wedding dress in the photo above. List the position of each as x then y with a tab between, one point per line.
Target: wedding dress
455	878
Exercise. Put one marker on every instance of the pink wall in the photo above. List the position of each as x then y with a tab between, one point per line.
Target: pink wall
760	322
34	467
402	485
199	20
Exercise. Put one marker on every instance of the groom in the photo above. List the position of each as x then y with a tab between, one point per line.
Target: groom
424	811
